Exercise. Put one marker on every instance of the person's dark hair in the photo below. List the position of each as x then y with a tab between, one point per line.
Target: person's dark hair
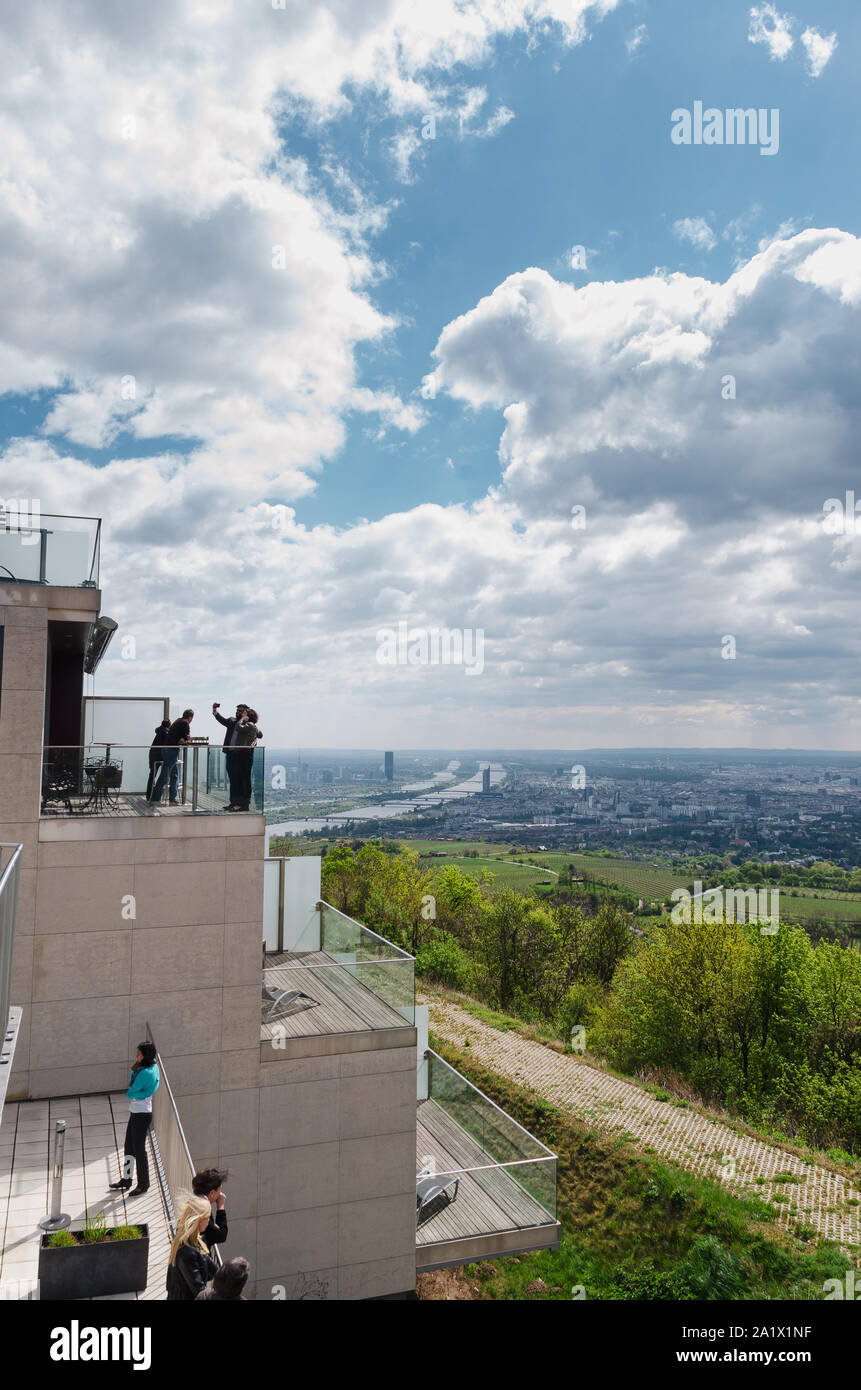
147	1051
207	1180
252	714
188	713
231	1279
165	724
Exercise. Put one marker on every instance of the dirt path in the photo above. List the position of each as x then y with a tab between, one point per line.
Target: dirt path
814	1196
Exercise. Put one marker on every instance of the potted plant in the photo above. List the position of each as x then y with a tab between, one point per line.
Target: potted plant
93	1262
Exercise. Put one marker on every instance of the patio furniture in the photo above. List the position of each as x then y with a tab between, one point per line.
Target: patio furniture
105	777
430	1189
285	1001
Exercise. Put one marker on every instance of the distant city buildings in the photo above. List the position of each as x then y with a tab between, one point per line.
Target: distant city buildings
390	767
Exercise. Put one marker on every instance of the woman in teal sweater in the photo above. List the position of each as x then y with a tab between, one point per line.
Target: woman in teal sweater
143	1084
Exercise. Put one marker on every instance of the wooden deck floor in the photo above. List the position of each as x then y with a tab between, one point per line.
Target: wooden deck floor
344	1003
487	1201
134	804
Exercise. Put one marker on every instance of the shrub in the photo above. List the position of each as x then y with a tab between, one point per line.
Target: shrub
446	962
61	1238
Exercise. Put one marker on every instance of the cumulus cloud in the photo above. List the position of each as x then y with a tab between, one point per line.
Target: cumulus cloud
703	517
770	27
697	231
152	251
819	49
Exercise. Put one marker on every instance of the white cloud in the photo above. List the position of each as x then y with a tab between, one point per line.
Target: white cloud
636	39
819	49
769	26
697	231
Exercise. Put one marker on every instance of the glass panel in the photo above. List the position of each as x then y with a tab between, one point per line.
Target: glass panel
123	720
499	1142
236	774
356	981
48	549
271	902
106	778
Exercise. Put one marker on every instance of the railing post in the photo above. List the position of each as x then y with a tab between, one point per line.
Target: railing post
195	751
57	1220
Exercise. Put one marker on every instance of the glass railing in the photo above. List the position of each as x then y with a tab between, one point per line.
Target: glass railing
10	861
48	549
356	980
119	778
470	1139
173	1161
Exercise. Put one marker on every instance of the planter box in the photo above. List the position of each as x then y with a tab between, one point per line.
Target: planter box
68	1272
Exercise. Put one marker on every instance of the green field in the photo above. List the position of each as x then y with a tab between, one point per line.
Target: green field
505	873
646	879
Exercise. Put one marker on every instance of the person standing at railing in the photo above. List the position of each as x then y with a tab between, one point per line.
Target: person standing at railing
239	741
248	735
155	754
143	1084
208	1184
190	1266
179	732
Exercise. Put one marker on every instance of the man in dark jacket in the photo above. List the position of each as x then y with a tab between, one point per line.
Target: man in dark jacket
239	740
179	732
208	1184
155	753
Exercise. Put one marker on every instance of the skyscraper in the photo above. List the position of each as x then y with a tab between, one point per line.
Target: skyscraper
390	767
485	780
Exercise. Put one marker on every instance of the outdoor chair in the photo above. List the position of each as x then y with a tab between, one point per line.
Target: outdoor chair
429	1189
285	1001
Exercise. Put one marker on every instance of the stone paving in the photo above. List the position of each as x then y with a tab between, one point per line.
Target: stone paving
813	1197
95	1131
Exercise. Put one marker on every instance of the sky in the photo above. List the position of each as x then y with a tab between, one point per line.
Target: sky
352	319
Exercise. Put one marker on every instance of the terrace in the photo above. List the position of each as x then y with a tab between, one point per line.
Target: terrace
111	779
497	1183
338	978
62	551
106	771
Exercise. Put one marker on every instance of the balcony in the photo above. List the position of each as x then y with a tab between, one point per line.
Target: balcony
495	1182
338	978
55	550
111	779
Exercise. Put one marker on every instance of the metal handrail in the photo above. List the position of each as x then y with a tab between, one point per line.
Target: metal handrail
390	944
429	1052
8	906
160	1168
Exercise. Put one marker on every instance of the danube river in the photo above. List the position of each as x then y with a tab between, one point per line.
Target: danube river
387	809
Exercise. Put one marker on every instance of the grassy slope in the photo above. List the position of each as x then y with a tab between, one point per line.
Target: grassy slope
636	1227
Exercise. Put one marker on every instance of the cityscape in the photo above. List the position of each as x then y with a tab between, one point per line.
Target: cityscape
430	673
782	807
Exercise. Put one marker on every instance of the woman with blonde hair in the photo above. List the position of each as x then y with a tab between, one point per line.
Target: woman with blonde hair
190	1267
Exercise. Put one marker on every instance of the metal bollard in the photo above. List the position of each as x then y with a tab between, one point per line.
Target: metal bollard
57	1220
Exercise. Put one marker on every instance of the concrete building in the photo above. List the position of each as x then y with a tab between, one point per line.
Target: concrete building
288	1034
390	767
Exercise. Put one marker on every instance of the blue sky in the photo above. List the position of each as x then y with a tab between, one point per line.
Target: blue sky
260	388
587	161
